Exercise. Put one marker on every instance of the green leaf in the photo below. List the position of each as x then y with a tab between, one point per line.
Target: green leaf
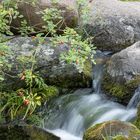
38	103
38	98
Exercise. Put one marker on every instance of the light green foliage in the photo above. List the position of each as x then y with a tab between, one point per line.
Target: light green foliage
5	19
83	11
50	15
76	47
25	29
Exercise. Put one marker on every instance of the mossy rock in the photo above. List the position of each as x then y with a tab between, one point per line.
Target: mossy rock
137	121
112	130
25	133
48	65
121	90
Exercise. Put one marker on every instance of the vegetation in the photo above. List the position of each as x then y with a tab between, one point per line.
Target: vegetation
23	103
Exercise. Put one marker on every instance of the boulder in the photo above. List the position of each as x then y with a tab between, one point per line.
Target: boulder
112	130
114	24
48	64
125	65
25	133
34	19
122	77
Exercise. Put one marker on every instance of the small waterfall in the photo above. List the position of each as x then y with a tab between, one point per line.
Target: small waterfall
97	78
98	71
72	114
135	99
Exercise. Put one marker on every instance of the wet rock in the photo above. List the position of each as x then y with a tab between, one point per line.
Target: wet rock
112	130
25	133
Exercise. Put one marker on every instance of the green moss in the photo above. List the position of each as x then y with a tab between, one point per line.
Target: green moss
120	137
92	133
118	91
137	121
113	88
121	90
134	83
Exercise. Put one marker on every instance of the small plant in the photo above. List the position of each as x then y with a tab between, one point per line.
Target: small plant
23	102
79	51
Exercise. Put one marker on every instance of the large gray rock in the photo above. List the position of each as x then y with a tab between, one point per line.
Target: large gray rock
53	71
125	65
122	76
11	132
114	24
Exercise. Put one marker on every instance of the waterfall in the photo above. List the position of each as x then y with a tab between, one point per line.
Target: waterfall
135	99
98	71
72	114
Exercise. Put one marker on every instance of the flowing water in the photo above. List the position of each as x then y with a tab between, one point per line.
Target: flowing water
135	99
74	113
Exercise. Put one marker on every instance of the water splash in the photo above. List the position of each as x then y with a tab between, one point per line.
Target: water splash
78	111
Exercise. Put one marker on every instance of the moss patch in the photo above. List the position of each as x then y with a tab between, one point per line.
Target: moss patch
123	91
120	137
137	121
114	89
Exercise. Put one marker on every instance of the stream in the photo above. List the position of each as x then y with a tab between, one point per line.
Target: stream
74	113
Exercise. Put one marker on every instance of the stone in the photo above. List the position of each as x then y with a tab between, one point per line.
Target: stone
48	64
34	19
125	65
122	76
112	130
11	132
114	24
